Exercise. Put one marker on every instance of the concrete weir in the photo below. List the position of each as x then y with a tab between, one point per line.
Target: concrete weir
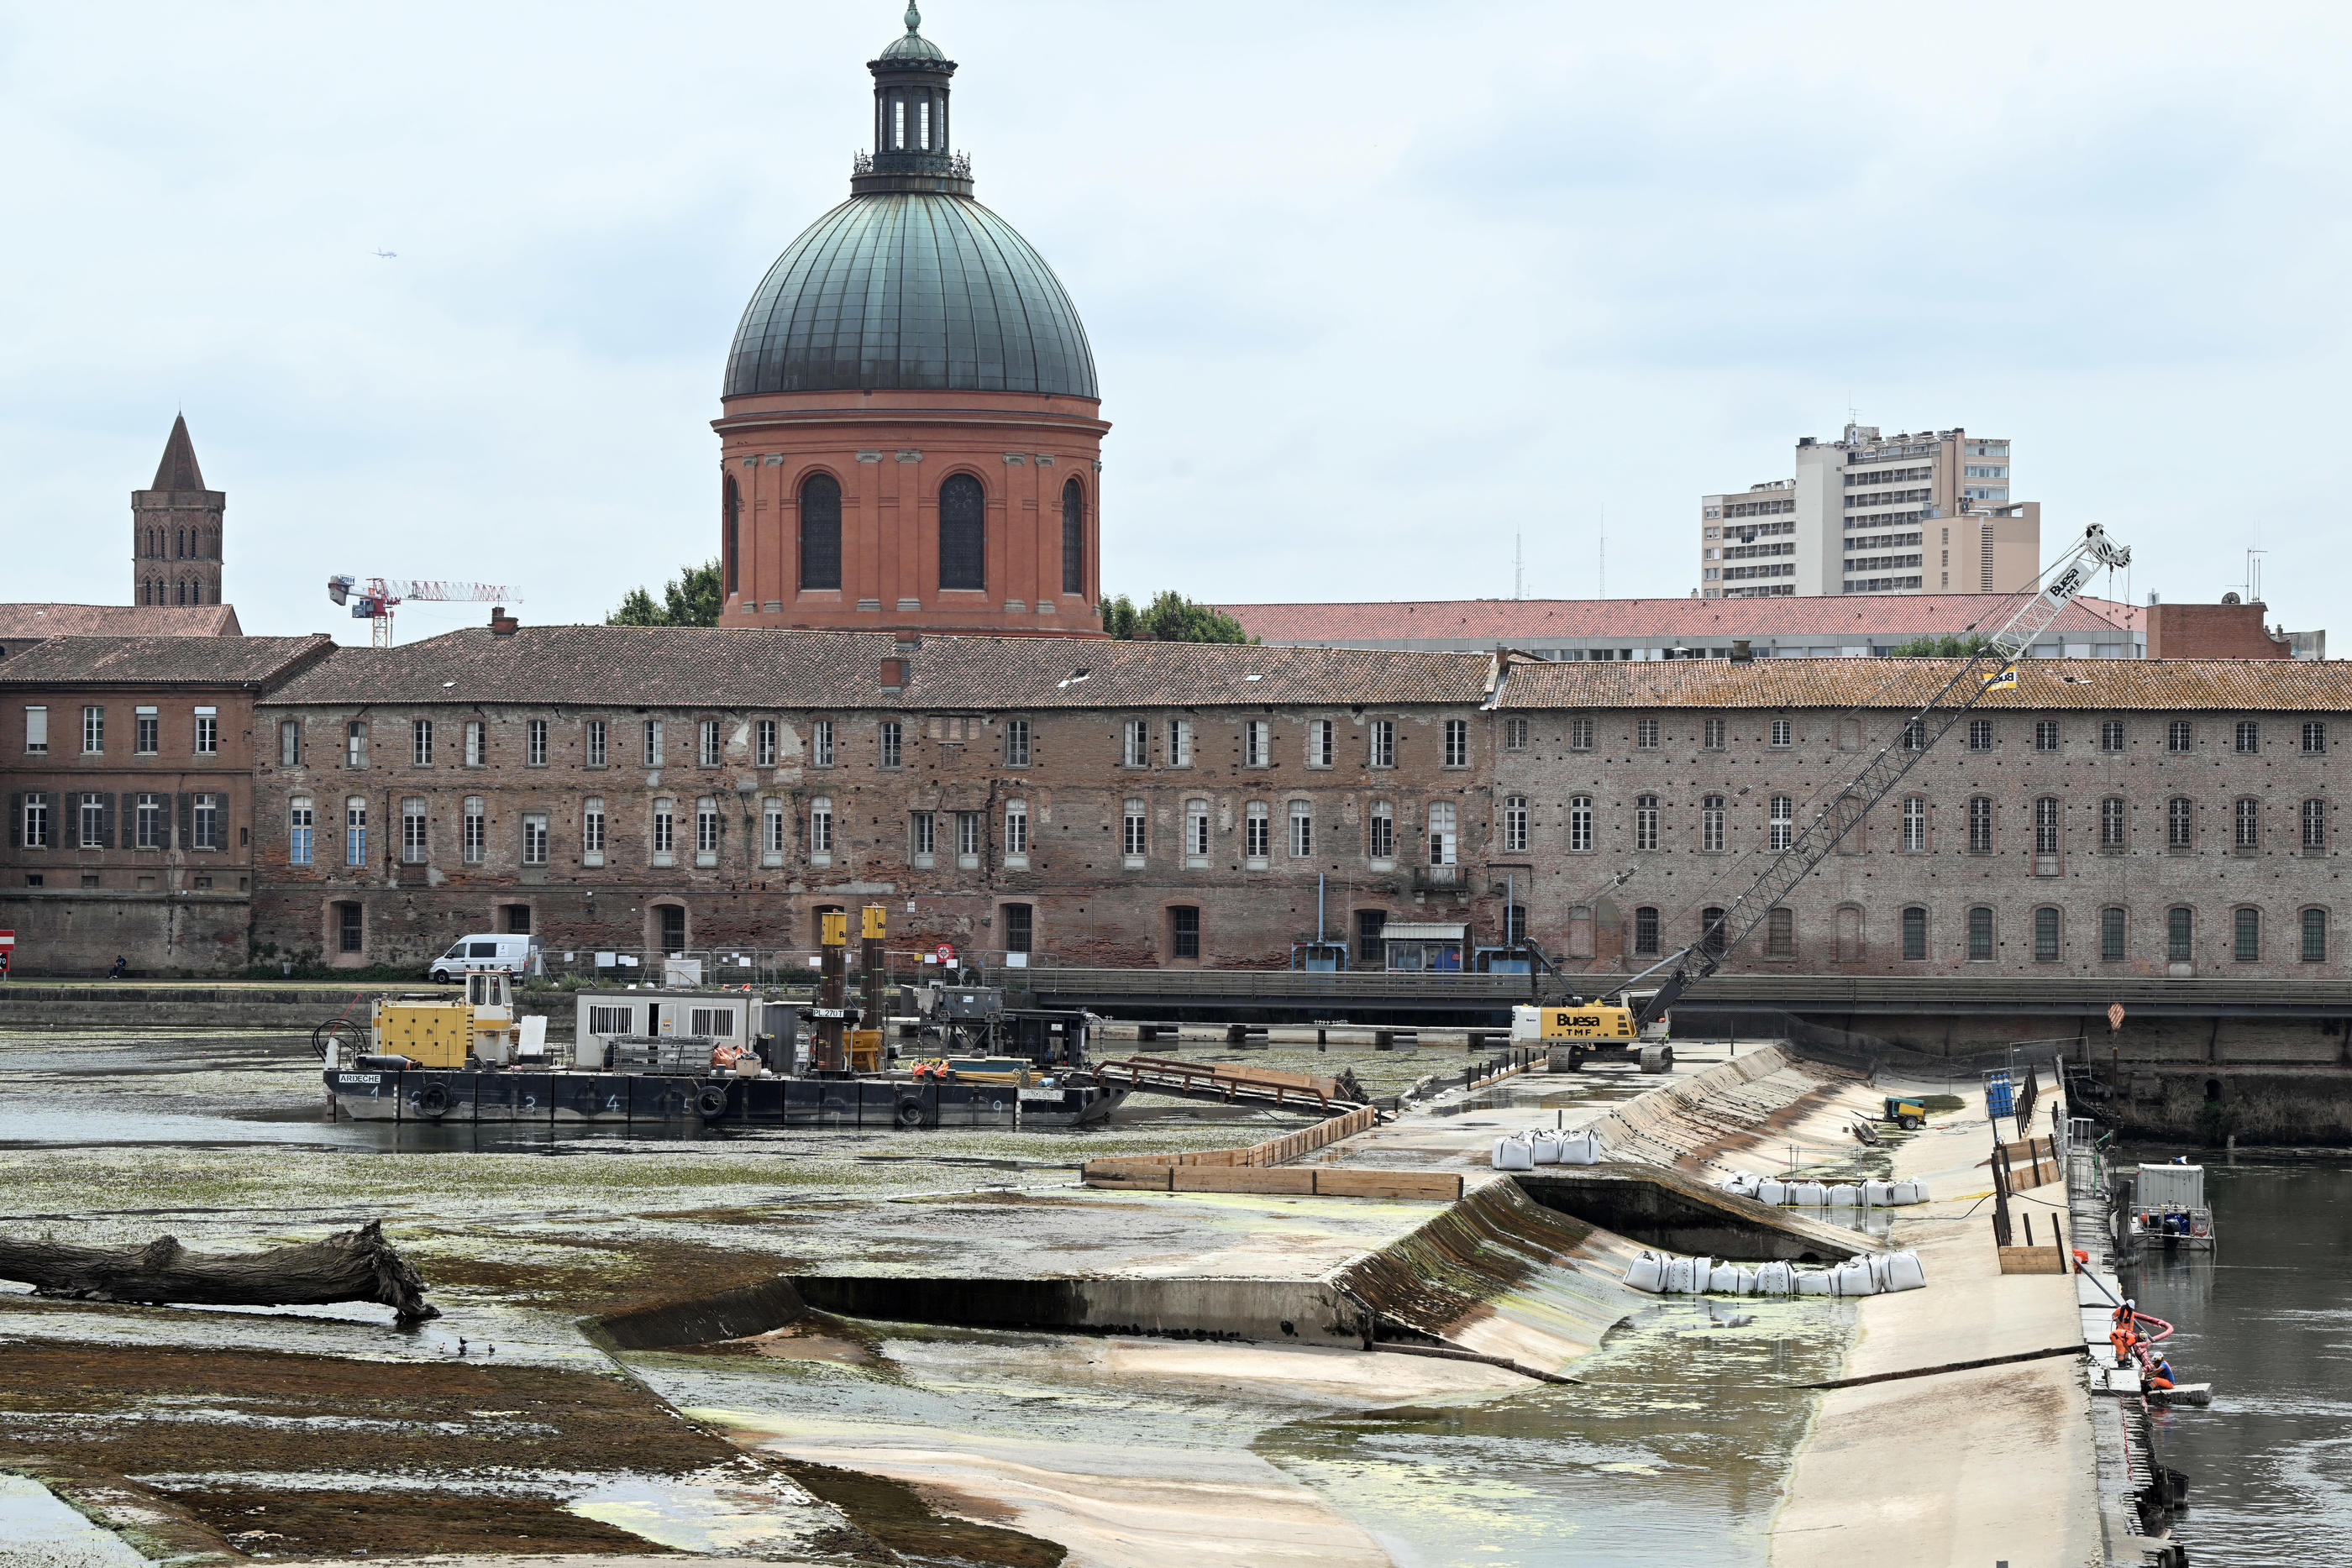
1660	1207
1496	1274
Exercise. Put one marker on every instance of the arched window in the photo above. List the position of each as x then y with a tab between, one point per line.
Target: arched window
180	592
733	506
820	531
2046	934
2247	948
1979	934
963	533
179	542
1074	537
1710	931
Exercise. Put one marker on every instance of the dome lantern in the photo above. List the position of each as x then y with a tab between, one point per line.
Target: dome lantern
911	148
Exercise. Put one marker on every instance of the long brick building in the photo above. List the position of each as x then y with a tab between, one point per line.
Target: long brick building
637	788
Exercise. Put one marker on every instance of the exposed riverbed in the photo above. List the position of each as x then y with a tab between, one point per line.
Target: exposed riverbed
1677	1434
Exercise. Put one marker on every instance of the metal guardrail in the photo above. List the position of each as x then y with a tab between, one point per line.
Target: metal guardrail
1876	993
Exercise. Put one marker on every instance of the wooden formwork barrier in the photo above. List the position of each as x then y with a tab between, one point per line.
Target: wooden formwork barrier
1273	1152
1317	1181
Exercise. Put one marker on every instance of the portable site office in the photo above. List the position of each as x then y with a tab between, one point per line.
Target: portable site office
722	1018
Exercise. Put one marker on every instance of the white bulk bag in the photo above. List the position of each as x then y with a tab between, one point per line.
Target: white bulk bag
1681	1280
1544	1148
1812	1282
1852	1278
1729	1280
1907	1192
1877	1194
1806	1194
1771	1192
1647	1272
1513	1155
1775	1280
1842	1196
1903	1271
1579	1149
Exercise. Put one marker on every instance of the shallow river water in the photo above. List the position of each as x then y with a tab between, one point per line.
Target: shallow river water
2268	1322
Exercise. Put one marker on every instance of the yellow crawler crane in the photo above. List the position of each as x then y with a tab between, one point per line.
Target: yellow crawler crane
1797	856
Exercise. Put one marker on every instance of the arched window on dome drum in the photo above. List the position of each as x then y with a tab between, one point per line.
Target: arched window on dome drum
963	533
820	531
733	504
1074	537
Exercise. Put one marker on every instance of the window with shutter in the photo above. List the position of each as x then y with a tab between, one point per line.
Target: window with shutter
16	820
184	808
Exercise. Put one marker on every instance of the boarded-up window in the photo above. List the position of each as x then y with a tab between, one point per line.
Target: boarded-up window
1579	931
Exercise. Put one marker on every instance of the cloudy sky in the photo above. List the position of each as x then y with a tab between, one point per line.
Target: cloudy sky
1374	288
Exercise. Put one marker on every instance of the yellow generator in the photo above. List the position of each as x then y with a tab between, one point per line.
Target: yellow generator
441	1035
1586	1031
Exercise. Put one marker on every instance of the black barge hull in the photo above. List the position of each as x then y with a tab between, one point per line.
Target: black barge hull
611	1099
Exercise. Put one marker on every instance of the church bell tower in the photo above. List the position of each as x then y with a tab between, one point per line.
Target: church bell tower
176	530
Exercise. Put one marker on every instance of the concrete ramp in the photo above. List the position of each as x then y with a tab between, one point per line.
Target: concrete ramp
1501	1275
1658	1206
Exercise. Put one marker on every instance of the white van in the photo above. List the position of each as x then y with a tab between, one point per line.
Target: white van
515	955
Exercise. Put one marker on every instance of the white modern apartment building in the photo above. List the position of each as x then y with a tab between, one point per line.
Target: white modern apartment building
1924	513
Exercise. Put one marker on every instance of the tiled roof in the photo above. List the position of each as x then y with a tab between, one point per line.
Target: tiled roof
1522	623
660	666
152	661
2175	684
24	623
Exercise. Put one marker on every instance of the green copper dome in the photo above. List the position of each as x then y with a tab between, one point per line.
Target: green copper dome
914	46
910	290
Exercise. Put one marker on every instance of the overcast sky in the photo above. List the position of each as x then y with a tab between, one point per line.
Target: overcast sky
1372	287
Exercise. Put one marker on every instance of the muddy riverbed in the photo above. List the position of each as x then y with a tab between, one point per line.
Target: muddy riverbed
331	1430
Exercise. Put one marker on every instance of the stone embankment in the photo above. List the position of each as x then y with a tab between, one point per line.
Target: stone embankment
260	1007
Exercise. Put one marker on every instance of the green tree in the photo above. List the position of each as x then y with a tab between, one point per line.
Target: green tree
1943	647
691	598
1171	618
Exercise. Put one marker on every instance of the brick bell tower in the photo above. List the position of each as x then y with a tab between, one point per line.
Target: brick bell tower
911	436
176	530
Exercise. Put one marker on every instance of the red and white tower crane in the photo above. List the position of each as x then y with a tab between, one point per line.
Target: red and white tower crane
374	599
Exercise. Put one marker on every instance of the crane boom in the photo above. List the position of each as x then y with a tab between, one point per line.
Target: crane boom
374	599
1928	724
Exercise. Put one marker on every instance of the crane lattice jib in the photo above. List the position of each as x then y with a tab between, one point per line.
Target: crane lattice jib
1925	725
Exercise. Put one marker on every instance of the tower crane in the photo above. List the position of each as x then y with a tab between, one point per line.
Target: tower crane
374	599
1616	1029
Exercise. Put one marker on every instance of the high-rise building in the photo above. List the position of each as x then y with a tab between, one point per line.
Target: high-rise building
1924	513
912	433
176	530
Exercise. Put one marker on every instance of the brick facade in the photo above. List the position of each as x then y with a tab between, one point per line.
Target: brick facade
2042	802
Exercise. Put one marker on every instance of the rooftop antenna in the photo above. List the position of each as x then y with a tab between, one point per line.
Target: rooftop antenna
2255	575
1519	566
1604	551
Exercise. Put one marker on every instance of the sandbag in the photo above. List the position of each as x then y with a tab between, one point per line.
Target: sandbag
1773	1192
1513	1155
1543	1148
1877	1194
1907	1192
1903	1271
1812	1282
1775	1280
1730	1279
1842	1196
1806	1194
1647	1272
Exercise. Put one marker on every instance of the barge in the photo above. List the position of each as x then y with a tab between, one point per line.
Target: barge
725	1058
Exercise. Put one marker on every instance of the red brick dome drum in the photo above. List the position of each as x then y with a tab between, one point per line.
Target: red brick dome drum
912	427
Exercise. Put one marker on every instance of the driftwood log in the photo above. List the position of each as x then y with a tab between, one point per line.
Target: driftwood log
354	1266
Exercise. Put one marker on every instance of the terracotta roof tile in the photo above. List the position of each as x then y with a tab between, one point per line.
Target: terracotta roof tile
149	661
24	623
689	667
2234	684
1522	622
